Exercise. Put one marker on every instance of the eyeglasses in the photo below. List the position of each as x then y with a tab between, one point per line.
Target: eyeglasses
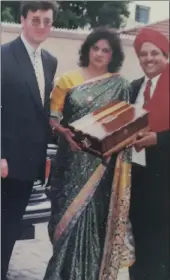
36	22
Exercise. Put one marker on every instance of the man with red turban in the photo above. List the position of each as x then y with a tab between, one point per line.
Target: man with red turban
149	211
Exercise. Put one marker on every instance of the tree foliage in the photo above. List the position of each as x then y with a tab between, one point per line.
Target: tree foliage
75	14
10	11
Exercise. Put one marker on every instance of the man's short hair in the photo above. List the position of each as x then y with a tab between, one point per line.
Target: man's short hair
37	5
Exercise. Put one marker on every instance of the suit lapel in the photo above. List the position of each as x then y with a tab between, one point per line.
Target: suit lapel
27	70
136	85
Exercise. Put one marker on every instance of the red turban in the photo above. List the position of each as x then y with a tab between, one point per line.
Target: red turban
151	36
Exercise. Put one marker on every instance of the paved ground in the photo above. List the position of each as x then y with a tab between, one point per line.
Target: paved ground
30	257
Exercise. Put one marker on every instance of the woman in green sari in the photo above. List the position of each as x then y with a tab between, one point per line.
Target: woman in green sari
89	227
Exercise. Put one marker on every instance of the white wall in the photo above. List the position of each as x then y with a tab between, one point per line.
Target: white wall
159	10
65	46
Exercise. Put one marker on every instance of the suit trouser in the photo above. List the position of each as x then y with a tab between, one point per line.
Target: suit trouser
150	228
152	256
14	199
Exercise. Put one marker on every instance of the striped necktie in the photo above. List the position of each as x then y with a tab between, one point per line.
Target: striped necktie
39	74
147	93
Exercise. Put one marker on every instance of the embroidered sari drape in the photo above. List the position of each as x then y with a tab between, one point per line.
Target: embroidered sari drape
89	227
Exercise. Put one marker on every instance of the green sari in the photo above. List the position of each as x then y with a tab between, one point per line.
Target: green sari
89	226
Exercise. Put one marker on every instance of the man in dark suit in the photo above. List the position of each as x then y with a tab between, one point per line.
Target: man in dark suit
27	78
149	211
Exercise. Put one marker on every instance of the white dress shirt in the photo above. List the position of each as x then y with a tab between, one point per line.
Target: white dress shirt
31	52
140	157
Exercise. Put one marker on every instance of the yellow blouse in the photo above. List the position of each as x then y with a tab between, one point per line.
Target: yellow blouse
62	87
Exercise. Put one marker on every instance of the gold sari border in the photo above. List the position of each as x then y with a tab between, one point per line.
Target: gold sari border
79	200
116	255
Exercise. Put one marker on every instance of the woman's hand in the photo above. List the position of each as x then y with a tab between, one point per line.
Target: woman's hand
69	137
66	132
4	168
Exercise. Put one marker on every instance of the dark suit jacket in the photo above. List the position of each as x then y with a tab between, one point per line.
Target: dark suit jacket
163	137
25	125
151	189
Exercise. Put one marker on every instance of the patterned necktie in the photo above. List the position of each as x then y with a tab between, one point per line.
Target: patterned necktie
147	93
39	74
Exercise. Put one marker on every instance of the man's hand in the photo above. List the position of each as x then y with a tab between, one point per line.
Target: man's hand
4	168
69	137
145	139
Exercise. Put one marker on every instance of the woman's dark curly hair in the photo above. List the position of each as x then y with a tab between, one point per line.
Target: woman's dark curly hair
113	39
